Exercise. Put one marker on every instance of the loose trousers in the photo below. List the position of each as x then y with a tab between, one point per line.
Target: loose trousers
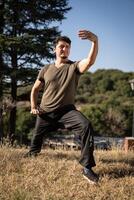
69	118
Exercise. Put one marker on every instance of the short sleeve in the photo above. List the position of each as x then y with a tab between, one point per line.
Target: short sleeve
76	68
41	74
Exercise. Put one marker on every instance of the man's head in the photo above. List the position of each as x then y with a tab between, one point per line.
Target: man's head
62	47
62	38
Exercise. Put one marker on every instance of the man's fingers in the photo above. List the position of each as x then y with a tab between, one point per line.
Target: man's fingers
84	34
34	111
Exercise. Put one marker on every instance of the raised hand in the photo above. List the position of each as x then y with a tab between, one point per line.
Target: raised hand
85	34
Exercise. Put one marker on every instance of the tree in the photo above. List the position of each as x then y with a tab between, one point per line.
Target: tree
26	38
1	70
109	105
115	122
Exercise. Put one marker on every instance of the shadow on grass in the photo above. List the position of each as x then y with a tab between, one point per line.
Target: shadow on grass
52	154
62	155
126	161
118	171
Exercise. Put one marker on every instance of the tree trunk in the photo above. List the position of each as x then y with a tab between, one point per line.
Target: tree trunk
14	65
1	70
12	119
1	96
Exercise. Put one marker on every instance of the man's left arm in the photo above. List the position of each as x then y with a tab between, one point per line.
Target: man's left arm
86	63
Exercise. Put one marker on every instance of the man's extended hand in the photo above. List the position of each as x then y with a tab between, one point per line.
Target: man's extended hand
84	34
35	111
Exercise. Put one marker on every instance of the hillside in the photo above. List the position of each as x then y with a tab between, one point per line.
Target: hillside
104	97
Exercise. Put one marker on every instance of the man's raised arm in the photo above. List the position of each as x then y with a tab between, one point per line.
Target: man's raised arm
86	63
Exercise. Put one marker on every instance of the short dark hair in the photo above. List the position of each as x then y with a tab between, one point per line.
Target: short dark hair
62	38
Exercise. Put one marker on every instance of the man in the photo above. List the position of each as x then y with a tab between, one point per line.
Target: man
57	109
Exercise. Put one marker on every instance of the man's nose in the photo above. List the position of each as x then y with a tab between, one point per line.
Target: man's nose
64	48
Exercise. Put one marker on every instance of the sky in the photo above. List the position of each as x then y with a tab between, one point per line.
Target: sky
112	21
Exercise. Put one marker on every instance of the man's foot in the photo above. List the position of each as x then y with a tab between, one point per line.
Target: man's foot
90	176
30	154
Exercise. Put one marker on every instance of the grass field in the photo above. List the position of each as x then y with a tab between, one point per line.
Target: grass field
56	175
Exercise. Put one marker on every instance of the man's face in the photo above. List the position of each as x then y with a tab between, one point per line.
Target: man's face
62	50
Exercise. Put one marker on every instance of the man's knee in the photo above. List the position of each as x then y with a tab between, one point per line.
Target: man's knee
85	124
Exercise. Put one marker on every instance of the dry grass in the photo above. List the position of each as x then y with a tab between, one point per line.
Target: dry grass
56	175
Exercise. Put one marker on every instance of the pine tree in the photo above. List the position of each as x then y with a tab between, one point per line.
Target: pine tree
1	69
26	39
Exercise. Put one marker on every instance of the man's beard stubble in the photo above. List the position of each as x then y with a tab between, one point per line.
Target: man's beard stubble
64	57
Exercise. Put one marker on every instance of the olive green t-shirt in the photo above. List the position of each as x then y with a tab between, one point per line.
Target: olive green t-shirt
59	85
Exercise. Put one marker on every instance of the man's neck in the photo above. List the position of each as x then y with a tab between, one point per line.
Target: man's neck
60	62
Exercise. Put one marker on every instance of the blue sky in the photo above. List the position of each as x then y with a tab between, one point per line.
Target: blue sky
113	22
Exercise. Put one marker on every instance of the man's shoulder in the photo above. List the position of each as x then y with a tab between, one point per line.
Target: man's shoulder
70	62
45	67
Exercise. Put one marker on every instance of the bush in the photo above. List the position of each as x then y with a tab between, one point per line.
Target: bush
24	124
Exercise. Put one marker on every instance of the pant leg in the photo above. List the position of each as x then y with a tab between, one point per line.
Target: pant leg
42	128
80	125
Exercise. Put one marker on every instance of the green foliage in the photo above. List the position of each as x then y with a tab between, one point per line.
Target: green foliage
108	103
26	41
94	114
105	85
24	123
107	121
26	29
110	112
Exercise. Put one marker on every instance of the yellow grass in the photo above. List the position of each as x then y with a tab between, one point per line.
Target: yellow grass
56	175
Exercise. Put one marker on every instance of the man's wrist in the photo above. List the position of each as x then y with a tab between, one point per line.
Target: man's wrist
32	108
95	40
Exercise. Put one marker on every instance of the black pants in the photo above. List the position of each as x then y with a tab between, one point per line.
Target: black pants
70	118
